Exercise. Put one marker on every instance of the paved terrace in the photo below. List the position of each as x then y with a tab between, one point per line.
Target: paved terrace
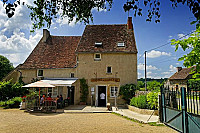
124	112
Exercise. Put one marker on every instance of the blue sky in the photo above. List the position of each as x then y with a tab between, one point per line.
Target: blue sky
16	42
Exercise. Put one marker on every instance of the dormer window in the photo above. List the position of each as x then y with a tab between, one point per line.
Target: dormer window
97	57
98	44
120	44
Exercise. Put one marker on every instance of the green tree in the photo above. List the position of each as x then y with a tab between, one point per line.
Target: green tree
127	91
10	90
44	11
83	90
191	43
140	84
153	85
5	67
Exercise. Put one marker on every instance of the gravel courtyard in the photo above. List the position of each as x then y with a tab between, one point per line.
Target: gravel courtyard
16	121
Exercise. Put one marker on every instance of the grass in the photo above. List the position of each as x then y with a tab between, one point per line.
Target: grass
141	124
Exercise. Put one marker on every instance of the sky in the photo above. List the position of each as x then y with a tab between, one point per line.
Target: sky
16	41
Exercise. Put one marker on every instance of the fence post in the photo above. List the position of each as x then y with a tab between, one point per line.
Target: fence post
160	108
184	110
163	105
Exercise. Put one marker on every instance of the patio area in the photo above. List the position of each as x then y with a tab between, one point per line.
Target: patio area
85	109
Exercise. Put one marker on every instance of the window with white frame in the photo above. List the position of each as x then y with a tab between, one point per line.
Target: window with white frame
97	57
113	91
120	44
109	70
53	91
40	73
72	75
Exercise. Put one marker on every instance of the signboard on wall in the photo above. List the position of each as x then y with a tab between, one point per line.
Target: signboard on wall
105	79
92	89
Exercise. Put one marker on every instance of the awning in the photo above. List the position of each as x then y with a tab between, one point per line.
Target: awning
38	84
60	81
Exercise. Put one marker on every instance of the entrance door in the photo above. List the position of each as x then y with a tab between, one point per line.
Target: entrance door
71	95
102	96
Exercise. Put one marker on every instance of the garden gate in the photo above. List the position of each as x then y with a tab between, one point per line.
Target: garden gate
181	109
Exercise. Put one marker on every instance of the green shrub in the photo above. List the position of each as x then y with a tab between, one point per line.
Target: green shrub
140	102
152	99
84	90
10	102
2	103
17	99
134	101
153	85
128	91
10	90
142	89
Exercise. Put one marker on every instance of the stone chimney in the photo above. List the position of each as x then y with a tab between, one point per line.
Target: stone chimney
46	35
179	69
129	24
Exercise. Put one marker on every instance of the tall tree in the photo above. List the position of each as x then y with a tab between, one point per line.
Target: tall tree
191	43
5	66
44	11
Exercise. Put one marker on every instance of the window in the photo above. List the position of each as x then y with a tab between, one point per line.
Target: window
97	57
120	44
98	44
109	69
72	75
40	73
113	91
53	92
49	91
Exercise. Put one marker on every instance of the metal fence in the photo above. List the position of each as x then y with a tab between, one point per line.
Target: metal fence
180	109
34	104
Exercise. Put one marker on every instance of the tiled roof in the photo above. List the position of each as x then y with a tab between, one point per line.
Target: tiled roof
109	35
57	52
182	74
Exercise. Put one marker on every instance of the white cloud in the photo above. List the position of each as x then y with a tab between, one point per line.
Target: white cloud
172	69
155	54
182	36
99	10
150	67
166	73
65	21
16	42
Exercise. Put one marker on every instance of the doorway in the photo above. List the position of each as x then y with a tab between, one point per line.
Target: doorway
71	95
102	96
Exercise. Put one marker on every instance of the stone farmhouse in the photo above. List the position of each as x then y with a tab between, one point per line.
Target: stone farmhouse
180	78
105	55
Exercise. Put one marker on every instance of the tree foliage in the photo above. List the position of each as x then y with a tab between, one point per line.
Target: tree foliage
83	90
127	91
152	99
9	90
5	66
44	11
153	7
140	84
191	43
153	85
140	102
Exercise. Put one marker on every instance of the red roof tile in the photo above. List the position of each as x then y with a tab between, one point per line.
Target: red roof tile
57	52
182	74
109	35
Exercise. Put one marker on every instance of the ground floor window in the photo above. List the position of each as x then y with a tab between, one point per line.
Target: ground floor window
113	91
53	91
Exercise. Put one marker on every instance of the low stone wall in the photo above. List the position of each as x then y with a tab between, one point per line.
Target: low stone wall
143	111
